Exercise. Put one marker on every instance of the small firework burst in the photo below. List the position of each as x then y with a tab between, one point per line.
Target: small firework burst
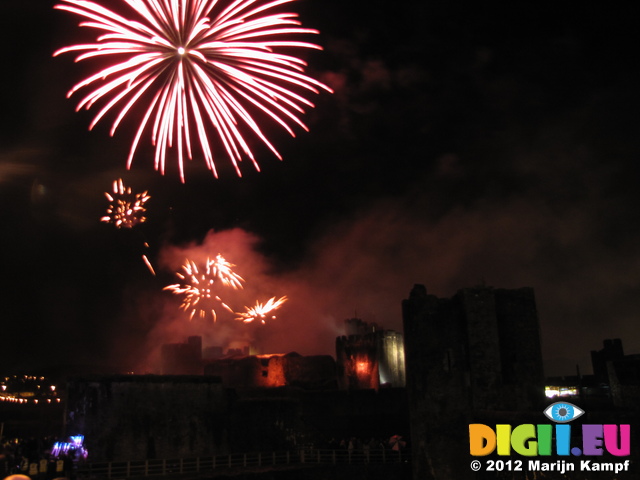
201	287
261	310
126	209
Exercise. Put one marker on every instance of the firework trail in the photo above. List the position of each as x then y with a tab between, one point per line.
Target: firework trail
200	287
260	310
147	262
126	209
196	66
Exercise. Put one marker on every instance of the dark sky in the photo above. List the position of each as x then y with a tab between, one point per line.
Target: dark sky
463	145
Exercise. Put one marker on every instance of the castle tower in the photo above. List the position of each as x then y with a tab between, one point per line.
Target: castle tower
476	353
371	358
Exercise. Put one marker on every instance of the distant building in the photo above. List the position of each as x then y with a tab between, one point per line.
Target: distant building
182	358
467	357
619	372
624	377
611	350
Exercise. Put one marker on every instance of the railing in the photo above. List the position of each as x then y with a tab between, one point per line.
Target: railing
180	466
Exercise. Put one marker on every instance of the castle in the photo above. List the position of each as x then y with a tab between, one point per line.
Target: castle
208	402
467	357
472	358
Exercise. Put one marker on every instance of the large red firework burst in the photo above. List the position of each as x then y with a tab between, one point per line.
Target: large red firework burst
198	66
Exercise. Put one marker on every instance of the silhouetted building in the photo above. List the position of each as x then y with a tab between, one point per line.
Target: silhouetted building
611	350
476	352
182	358
624	382
619	373
213	352
179	359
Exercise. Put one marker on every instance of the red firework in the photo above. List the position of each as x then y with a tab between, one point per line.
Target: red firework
261	310
200	286
197	65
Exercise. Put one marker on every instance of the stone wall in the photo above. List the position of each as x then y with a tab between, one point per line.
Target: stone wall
139	417
292	369
144	417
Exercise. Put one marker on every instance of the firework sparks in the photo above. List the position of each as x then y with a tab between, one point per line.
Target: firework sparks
126	209
200	287
260	310
197	66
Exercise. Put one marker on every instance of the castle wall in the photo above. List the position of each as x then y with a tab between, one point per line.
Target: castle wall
624	382
438	382
478	310
249	371
138	417
181	358
145	417
274	371
612	350
390	352
520	348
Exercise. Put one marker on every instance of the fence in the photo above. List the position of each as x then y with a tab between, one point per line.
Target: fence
180	466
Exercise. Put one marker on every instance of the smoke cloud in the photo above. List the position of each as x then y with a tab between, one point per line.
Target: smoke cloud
365	265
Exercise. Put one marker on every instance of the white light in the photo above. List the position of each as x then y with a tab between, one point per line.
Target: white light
551	392
181	50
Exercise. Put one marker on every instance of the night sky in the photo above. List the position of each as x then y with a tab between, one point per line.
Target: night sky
463	146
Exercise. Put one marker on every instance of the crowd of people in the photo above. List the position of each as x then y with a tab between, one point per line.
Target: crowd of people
36	458
357	445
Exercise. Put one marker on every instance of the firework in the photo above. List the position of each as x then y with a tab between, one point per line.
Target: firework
126	209
146	261
197	66
201	287
260	310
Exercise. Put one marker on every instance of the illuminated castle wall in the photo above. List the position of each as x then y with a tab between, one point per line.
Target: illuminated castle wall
369	357
292	369
468	356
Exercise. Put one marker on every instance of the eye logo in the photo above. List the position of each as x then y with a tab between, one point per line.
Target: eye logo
563	412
